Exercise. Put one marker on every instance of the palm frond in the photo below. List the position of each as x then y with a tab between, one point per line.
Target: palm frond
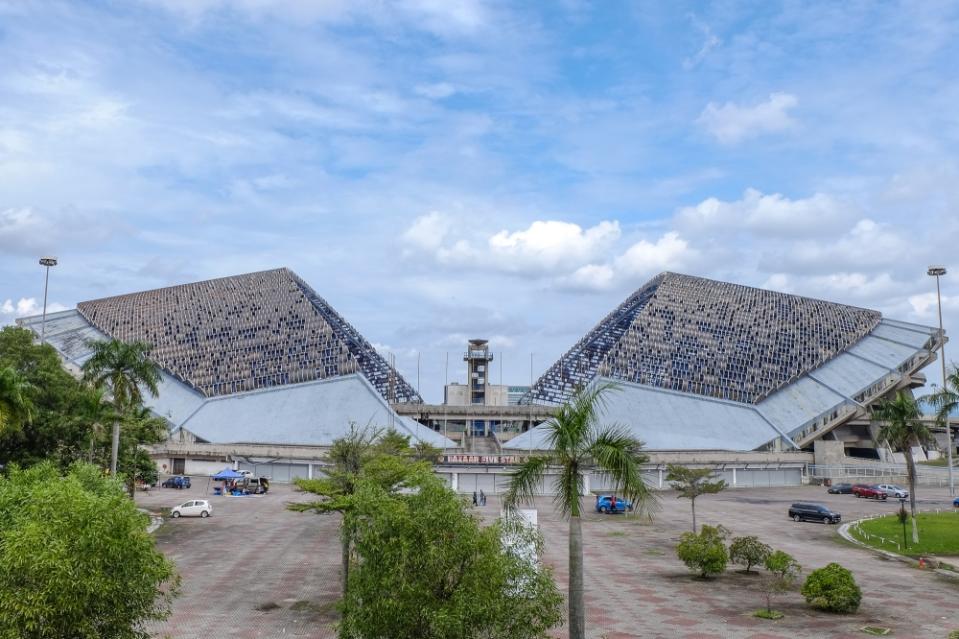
525	480
615	451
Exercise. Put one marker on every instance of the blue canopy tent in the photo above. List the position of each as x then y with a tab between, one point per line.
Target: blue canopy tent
224	475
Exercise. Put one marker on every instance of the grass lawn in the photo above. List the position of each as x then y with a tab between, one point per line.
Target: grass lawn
938	534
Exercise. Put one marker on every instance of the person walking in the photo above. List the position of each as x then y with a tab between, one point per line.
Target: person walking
474	498
482	498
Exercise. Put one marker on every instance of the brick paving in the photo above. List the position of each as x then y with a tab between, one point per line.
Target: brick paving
256	570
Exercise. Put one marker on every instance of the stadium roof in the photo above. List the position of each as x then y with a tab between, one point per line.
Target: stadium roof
255	358
707	364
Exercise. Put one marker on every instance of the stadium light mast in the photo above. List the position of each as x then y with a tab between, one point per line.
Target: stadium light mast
46	262
937	272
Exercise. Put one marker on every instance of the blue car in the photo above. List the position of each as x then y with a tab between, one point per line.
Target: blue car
955	502
611	504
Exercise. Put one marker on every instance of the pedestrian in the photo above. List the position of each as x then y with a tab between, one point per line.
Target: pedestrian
482	498
474	498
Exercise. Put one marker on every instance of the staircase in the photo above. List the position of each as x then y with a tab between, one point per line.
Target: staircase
483	446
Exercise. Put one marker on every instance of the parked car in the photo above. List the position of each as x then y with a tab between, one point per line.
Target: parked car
893	490
612	504
869	492
195	508
177	481
813	512
246	473
840	489
955	502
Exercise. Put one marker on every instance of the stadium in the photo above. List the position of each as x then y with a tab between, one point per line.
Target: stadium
259	370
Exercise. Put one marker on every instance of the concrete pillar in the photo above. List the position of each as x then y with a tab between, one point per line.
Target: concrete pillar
455	482
586	484
734	476
309	471
660	477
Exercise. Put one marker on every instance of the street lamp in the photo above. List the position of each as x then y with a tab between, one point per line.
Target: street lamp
937	272
47	262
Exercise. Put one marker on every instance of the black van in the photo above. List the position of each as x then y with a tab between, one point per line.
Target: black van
813	512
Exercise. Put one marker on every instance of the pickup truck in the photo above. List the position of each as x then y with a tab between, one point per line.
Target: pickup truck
610	504
869	492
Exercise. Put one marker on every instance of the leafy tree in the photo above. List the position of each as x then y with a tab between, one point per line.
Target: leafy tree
783	571
705	552
748	551
15	404
55	429
902	428
833	589
427	569
346	459
579	445
690	483
124	368
76	561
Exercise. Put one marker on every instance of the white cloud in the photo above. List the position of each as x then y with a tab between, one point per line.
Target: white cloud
868	245
772	215
436	91
731	123
591	277
644	258
27	306
428	231
926	305
550	245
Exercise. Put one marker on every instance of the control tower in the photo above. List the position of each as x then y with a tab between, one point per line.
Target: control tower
478	358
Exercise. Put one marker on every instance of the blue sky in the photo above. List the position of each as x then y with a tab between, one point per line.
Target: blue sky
441	170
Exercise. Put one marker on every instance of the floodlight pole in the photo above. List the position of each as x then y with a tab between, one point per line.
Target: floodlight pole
46	262
937	271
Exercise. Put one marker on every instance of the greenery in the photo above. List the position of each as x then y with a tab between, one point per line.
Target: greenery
902	428
76	561
748	552
690	483
940	534
704	552
832	589
123	368
766	613
581	445
783	570
445	574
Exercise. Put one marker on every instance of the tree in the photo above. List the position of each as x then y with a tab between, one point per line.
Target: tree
946	401
748	551
902	428
783	571
15	404
76	561
690	483
124	368
446	575
704	552
579	445
832	589
346	458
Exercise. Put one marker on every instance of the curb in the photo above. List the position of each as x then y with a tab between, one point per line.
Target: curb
155	520
845	534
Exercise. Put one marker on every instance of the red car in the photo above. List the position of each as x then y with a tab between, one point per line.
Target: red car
869	492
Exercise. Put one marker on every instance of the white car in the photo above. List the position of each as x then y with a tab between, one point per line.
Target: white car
195	508
893	490
246	473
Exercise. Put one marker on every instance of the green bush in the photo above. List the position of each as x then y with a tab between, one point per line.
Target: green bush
748	551
705	552
832	589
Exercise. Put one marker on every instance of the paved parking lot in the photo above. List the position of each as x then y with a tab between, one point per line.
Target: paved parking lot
257	570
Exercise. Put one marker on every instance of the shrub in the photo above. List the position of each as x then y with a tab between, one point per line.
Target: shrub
748	551
705	552
783	571
832	589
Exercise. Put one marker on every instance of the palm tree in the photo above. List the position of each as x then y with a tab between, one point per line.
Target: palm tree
946	401
15	404
95	411
902	428
124	368
578	444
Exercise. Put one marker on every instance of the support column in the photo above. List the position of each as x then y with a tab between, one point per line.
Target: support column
660	477
455	482
734	476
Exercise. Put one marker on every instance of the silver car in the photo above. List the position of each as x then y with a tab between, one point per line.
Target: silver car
194	508
893	490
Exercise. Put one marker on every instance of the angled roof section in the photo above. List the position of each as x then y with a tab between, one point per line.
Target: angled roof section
245	332
709	338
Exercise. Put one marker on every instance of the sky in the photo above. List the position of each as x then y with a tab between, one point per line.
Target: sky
440	171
